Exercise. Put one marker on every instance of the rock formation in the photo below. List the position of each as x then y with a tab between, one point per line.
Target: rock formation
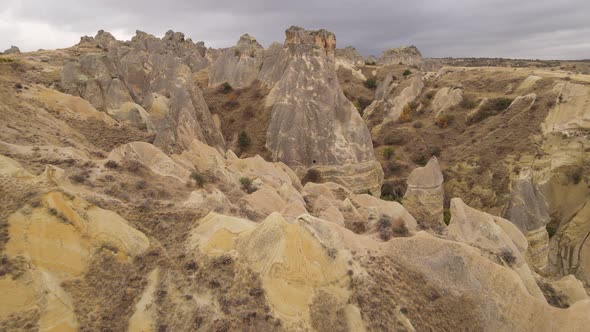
424	197
405	55
238	65
148	74
313	125
527	209
12	50
445	99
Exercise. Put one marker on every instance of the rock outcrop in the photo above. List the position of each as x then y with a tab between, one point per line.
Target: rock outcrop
424	197
405	55
12	50
349	55
155	74
445	99
527	209
488	233
239	65
313	125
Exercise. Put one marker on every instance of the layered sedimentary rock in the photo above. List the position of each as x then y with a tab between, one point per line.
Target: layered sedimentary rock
406	55
424	197
562	175
313	125
147	74
238	65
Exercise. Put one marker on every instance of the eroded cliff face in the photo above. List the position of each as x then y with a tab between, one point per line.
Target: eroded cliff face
152	78
313	125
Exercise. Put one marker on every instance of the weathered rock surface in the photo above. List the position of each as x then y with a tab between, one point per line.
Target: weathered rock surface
238	65
527	209
150	72
405	55
424	197
572	111
445	99
313	124
483	231
391	98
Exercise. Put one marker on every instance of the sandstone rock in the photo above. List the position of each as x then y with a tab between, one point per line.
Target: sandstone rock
528	83
480	230
571	111
150	157
445	99
238	65
150	72
393	98
349	55
406	55
425	195
571	287
133	114
325	130
105	40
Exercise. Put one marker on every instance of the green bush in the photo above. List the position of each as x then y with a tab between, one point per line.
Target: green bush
246	183
447	216
371	83
551	229
199	179
243	140
370	63
467	103
388	152
226	87
407	72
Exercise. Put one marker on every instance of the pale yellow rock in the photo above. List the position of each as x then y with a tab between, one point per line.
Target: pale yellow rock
445	99
572	110
144	317
75	107
152	158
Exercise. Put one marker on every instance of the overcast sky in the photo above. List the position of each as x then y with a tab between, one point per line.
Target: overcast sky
544	29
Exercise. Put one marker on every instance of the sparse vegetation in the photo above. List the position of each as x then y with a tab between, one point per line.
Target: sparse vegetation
226	87
111	164
551	228
468	103
444	120
418	124
406	115
246	184
575	175
198	178
5	59
393	190
407	72
388	152
507	256
384	228
554	297
243	140
370	63
371	83
447	216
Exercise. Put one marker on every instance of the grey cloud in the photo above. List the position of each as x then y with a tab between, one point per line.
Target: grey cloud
493	28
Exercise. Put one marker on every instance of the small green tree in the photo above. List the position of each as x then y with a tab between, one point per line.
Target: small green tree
407	72
243	140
